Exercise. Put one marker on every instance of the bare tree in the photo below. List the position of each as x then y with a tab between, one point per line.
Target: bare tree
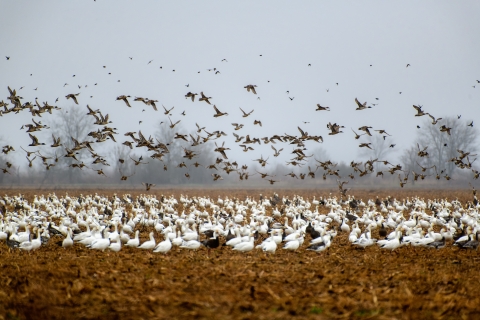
379	148
444	145
75	124
175	166
122	164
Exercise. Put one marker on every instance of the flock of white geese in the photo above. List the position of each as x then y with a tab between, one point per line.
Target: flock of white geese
267	224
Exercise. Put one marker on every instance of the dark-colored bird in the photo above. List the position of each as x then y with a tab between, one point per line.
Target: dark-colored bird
251	87
320	108
148	185
204	98
361	106
218	112
72	96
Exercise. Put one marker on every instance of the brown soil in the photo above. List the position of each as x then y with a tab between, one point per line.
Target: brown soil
343	282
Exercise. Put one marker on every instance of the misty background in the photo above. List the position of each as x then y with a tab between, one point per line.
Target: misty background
297	54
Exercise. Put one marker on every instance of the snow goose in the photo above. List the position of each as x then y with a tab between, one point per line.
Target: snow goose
293	244
191	234
245	246
288	230
364	242
392	244
270	246
434	235
353	236
37	242
68	242
178	240
191	244
135	242
3	235
273	234
422	242
319	247
233	242
83	235
100	244
124	238
344	226
148	245
117	245
292	236
159	226
26	245
164	246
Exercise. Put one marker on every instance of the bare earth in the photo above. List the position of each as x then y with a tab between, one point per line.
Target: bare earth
342	282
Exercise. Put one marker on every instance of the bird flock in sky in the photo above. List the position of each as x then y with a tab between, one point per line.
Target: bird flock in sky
157	149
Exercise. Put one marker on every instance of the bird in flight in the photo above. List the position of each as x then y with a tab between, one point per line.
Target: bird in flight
365	128
172	125
124	98
204	98
218	112
167	112
357	136
419	111
320	108
361	106
72	96
148	185
191	95
246	114
251	87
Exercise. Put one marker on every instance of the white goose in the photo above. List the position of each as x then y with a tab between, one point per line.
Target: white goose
164	246
392	244
68	241
117	245
245	246
135	242
148	245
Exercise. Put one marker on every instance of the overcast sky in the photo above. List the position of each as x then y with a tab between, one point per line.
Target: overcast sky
364	46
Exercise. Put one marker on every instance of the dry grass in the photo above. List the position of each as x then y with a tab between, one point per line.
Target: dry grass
342	282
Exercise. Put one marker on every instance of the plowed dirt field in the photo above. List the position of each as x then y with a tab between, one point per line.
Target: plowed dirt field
342	282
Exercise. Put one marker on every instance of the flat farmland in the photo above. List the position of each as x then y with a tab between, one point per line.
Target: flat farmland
341	282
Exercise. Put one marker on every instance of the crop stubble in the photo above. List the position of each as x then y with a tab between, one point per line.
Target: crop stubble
342	282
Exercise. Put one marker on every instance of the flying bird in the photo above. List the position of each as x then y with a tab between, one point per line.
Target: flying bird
218	112
365	128
167	112
361	106
251	88
246	114
320	108
73	97
419	111
204	98
148	185
191	95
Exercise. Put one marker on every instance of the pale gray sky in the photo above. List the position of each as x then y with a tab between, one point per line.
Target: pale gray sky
53	40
